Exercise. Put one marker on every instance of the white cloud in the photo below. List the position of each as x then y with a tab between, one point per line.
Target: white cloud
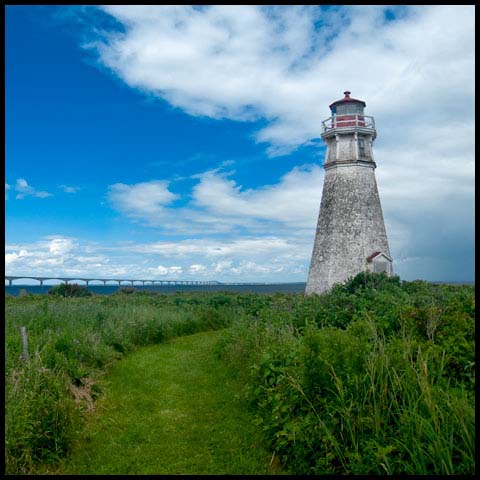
69	189
197	269
141	199
61	246
213	249
172	271
175	270
7	188
24	190
242	259
160	270
53	255
222	266
218	204
293	201
250	62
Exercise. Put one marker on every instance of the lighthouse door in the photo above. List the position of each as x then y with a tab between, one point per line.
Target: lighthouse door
381	265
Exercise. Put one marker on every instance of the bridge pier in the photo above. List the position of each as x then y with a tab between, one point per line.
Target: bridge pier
104	282
41	283
9	282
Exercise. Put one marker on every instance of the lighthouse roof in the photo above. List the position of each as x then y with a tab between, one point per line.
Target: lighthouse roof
347	99
376	254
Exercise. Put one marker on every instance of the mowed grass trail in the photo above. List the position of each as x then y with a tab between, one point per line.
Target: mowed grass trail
170	409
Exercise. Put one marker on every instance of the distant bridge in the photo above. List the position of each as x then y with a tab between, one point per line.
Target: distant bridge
11	278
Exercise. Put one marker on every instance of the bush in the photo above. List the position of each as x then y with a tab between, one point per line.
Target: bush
70	290
375	377
40	417
127	290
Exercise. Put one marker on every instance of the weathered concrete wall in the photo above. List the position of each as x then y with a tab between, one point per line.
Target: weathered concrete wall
350	225
347	148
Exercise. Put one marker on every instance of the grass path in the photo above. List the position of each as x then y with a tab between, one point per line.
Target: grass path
170	409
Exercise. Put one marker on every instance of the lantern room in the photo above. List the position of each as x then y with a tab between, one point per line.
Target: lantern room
347	106
348	113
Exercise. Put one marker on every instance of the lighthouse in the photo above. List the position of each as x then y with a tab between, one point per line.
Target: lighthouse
350	236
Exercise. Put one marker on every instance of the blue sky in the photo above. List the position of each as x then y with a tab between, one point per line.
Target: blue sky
184	142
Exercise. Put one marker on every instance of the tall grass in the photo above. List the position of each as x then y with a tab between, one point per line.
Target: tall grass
72	341
376	377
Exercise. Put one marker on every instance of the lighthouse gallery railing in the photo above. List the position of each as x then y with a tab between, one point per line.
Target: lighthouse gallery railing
348	121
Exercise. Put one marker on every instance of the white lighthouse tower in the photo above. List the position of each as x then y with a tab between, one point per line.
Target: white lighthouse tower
351	236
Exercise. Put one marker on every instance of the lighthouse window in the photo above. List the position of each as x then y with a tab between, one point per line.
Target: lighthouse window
361	147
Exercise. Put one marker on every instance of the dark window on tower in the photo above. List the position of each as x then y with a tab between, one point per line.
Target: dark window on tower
361	147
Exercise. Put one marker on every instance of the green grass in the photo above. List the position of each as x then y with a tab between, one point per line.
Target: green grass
72	342
377	376
170	409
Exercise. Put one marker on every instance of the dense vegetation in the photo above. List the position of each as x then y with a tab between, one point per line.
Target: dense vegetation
72	341
375	377
70	290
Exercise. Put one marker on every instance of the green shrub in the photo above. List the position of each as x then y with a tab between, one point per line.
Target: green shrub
40	417
70	290
127	290
375	377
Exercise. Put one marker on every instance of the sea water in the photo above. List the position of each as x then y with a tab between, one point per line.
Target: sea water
298	287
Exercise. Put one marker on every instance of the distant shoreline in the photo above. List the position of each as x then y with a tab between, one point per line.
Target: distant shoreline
298	287
264	288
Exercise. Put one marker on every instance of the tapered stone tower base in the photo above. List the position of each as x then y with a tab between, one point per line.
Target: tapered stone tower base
350	236
350	227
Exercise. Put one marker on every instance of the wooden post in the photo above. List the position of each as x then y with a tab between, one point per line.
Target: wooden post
24	355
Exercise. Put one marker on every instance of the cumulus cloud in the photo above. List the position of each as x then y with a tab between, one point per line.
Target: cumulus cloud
219	204
197	269
7	188
174	270
61	246
284	63
23	190
141	199
51	254
240	259
294	200
59	256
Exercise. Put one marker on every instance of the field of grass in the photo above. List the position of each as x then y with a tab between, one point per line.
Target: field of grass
170	409
72	343
375	377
